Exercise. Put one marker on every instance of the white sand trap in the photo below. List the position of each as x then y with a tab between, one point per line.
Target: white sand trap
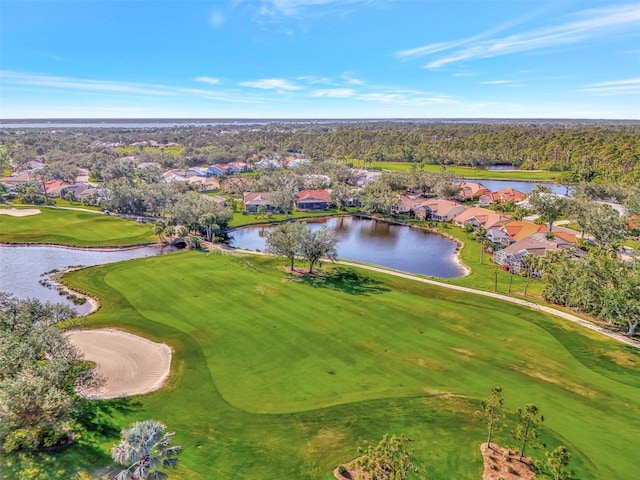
19	212
131	365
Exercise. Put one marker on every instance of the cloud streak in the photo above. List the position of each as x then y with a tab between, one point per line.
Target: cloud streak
334	93
23	80
615	87
583	26
271	84
209	80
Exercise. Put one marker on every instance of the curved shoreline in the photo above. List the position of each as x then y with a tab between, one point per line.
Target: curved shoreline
95	248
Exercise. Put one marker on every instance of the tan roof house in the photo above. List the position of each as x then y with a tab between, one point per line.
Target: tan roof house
512	257
471	190
407	204
482	217
501	195
439	209
313	200
252	200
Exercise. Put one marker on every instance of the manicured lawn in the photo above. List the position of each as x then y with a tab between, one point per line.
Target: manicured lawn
477	173
241	219
72	227
277	376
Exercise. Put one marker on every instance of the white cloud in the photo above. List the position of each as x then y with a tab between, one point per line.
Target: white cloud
614	87
496	82
12	79
313	79
210	80
216	19
271	84
589	24
293	7
334	93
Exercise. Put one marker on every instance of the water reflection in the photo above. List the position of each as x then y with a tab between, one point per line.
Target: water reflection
396	246
23	266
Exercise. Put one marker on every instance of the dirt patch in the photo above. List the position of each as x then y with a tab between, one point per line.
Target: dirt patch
130	365
502	464
19	212
350	470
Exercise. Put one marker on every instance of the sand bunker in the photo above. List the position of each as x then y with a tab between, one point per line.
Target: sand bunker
131	365
19	212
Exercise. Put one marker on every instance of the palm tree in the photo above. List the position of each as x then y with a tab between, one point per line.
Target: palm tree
481	236
144	449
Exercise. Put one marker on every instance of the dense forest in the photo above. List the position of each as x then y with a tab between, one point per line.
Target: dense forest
592	152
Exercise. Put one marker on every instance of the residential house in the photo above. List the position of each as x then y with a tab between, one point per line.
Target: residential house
205	183
439	209
252	200
54	188
238	167
512	257
22	178
502	195
216	198
499	237
174	175
519	229
196	172
216	170
482	217
80	190
471	190
313	200
407	204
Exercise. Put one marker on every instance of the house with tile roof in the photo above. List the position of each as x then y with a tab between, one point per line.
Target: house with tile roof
471	190
502	195
439	209
251	201
512	257
313	200
54	188
482	217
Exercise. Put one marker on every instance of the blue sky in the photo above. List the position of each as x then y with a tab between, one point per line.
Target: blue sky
319	59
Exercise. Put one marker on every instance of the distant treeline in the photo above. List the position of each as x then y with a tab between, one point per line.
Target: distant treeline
586	151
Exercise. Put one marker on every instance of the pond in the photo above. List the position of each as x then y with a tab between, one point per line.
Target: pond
23	266
524	187
399	247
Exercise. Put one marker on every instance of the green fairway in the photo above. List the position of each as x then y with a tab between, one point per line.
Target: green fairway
74	227
474	173
277	376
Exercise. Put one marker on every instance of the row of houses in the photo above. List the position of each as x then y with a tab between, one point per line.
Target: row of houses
304	200
81	188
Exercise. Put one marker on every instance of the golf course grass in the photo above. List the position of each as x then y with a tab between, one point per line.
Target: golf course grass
74	227
280	376
474	173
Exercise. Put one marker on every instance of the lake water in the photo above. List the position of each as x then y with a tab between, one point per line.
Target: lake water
524	187
399	247
23	266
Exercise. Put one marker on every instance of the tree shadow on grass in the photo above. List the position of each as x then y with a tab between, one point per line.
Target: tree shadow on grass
344	280
96	417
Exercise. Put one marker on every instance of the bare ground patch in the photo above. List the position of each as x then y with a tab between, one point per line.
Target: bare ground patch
19	212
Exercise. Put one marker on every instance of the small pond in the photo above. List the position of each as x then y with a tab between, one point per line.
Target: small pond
23	266
399	247
524	187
